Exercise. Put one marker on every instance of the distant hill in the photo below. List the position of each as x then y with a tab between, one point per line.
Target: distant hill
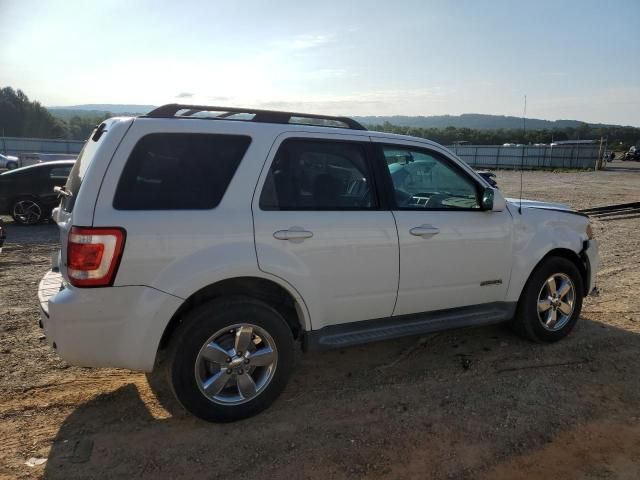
98	110
475	121
108	107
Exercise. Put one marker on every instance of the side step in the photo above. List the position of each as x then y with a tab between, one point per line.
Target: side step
355	333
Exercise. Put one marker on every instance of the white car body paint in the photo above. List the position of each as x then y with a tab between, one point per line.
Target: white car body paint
358	265
538	230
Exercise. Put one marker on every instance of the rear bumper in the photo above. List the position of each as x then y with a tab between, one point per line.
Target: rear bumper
591	257
104	327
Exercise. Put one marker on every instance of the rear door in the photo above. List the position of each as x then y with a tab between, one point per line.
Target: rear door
320	226
452	253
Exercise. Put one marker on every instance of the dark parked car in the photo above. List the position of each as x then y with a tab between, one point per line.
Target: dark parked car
27	193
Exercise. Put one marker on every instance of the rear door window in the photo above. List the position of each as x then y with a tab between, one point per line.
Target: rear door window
179	171
319	175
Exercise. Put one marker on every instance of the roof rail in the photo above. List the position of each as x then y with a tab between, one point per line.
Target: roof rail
262	116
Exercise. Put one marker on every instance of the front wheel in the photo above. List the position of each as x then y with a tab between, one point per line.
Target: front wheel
551	301
231	359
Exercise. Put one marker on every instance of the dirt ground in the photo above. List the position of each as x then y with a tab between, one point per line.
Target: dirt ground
475	403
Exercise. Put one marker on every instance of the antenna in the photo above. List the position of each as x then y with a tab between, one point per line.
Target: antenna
524	139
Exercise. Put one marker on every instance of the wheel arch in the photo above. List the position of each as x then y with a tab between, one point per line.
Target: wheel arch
567	254
266	290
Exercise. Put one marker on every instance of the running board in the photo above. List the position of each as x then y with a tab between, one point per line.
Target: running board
355	333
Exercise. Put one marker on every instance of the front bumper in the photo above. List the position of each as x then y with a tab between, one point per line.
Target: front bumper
591	257
104	327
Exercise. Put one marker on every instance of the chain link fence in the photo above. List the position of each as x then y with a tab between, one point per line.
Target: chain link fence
529	157
28	146
484	156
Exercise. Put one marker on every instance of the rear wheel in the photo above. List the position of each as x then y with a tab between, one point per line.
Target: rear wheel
12	165
551	302
231	359
27	211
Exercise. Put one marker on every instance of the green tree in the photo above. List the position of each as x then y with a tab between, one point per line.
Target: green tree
20	117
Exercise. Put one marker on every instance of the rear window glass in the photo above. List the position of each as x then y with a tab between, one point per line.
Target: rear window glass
85	157
75	177
179	171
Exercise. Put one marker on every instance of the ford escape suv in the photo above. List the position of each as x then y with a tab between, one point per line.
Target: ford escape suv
218	239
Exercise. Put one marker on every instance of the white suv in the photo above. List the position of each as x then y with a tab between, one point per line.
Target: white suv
221	236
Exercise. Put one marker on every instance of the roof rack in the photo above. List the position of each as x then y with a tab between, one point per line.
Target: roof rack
178	110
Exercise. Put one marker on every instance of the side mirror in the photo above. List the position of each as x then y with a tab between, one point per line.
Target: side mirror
492	200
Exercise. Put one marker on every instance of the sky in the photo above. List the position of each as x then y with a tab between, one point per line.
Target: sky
572	59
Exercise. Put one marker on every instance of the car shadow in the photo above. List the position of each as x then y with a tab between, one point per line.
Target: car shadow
448	404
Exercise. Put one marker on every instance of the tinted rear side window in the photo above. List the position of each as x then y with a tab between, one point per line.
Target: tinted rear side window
179	171
318	175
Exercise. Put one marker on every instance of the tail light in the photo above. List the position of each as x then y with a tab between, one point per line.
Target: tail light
93	256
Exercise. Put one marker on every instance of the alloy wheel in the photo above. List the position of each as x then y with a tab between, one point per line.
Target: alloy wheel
556	302
236	364
27	212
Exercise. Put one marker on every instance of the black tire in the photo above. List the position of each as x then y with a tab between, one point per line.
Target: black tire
198	327
39	212
527	322
12	165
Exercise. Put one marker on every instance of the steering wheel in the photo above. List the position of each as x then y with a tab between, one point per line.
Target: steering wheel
435	201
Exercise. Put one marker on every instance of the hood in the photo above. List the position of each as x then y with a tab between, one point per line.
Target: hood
559	207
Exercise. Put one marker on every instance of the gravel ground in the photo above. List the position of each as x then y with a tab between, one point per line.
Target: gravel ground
474	403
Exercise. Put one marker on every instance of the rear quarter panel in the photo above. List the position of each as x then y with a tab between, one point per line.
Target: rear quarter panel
92	173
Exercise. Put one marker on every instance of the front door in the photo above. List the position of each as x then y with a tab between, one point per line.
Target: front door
452	253
319	226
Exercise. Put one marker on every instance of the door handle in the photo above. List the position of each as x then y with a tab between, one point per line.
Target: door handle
424	231
293	234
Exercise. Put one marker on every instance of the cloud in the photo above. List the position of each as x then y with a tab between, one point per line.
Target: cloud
324	74
185	95
303	42
382	102
219	98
